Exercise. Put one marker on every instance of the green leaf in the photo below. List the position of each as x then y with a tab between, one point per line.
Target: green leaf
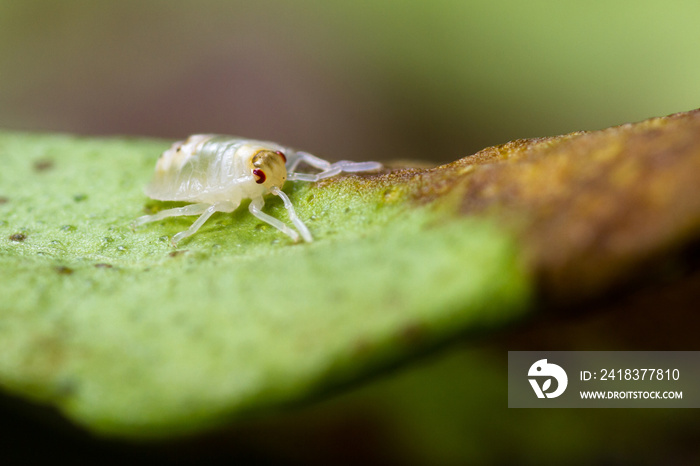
130	337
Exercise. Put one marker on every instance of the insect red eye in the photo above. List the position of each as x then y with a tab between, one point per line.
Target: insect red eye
281	154
259	176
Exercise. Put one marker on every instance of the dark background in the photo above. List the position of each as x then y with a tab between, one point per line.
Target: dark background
385	79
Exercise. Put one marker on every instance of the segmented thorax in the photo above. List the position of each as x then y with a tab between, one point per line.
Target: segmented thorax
211	168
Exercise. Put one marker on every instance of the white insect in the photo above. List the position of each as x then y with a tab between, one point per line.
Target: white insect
217	172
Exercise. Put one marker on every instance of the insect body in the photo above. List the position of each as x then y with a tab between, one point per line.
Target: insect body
216	173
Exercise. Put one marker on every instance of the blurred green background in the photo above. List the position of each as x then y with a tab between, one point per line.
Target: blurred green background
346	79
362	80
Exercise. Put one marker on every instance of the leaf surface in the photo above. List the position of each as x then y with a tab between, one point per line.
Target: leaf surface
130	337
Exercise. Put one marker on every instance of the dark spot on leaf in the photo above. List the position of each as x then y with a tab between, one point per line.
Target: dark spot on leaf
63	270
67	388
18	237
103	266
413	333
43	165
80	197
361	347
310	197
391	194
177	253
4	200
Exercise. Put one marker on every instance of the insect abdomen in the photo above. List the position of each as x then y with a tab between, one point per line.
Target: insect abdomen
204	168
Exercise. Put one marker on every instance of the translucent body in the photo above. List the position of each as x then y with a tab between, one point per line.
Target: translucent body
216	173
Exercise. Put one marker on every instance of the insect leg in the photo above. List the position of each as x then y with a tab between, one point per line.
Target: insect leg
301	226
255	208
208	212
192	209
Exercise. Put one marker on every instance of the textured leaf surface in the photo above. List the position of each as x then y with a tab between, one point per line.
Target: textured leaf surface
130	337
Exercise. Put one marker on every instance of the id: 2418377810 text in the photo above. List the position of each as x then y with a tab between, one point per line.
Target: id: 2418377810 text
631	374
